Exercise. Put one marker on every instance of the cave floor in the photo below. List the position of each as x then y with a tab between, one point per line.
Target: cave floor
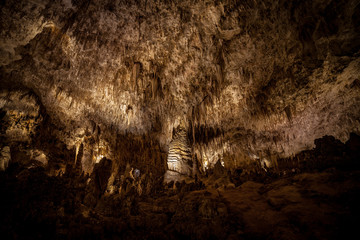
317	205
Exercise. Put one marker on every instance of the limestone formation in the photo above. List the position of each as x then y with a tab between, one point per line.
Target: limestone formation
183	119
274	76
5	158
179	155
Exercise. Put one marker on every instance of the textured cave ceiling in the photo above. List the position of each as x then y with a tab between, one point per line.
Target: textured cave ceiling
253	76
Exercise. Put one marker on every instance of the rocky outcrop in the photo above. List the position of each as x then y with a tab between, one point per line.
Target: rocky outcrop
272	76
179	119
318	204
20	115
5	157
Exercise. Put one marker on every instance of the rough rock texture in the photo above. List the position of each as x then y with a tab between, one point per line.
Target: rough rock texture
156	119
179	160
309	205
5	158
272	75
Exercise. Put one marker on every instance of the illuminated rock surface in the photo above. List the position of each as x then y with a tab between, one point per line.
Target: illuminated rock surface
93	94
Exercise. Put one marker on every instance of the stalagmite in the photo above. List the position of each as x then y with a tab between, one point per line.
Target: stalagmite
77	148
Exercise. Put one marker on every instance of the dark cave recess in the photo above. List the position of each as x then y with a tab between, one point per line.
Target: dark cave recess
281	203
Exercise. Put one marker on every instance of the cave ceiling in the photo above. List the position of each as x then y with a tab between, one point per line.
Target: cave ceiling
256	76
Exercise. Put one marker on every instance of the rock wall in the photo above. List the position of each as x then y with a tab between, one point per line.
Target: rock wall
272	76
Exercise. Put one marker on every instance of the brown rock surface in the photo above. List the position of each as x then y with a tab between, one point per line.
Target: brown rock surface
179	119
273	76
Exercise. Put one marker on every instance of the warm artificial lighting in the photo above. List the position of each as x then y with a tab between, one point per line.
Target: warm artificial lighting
99	157
117	117
206	163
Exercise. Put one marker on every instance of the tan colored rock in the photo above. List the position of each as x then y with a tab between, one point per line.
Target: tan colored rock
5	158
272	76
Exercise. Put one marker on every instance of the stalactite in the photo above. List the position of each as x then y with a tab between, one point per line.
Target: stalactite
135	75
77	147
153	86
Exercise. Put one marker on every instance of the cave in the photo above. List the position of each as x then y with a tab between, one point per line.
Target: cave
182	119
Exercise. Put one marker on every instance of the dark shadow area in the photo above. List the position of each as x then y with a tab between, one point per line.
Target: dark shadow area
319	200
